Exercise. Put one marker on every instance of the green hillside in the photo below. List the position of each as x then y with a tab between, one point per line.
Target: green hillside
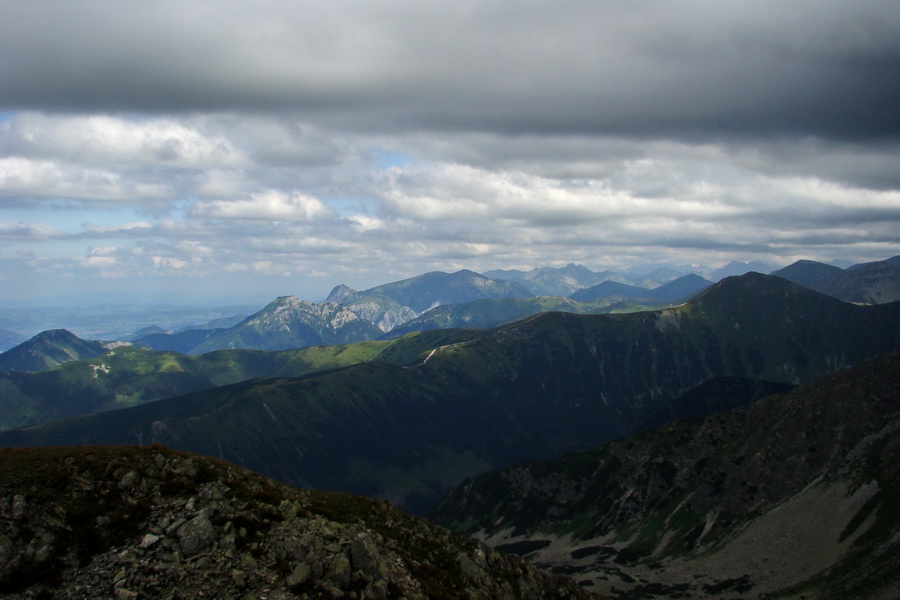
129	375
48	349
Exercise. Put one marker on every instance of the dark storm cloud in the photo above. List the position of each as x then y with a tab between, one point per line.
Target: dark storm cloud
698	69
358	141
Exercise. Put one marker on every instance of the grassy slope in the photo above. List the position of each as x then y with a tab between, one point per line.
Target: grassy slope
128	376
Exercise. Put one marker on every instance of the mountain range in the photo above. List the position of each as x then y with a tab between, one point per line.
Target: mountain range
867	283
793	496
345	316
467	299
435	407
434	289
562	281
678	289
735	439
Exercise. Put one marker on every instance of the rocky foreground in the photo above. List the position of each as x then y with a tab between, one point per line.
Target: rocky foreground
127	523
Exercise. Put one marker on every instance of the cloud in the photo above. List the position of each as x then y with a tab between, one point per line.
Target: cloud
270	205
22	178
464	193
18	230
700	68
117	141
126	229
275	141
101	258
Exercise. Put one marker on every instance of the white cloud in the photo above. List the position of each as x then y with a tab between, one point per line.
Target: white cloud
194	248
362	223
101	258
133	228
117	141
17	230
270	205
27	178
221	183
464	193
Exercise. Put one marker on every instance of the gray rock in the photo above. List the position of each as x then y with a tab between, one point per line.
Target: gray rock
131	480
18	507
365	558
299	575
339	570
6	550
196	535
159	540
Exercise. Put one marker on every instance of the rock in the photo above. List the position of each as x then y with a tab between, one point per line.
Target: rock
299	576
470	570
366	559
377	590
130	480
196	535
167	536
173	527
18	507
6	550
339	570
239	578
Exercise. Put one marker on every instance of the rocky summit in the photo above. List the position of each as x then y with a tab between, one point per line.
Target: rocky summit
124	523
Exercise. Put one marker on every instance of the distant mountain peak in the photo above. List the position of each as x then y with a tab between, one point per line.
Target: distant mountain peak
808	273
737	267
56	335
47	350
340	293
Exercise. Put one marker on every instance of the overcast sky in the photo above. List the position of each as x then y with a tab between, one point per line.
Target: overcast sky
265	148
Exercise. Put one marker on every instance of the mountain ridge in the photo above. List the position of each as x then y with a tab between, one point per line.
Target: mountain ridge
425	291
455	403
49	349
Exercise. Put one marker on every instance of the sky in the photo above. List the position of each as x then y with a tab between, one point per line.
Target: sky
229	149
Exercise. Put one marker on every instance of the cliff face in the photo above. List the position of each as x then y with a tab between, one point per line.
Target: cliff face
152	523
